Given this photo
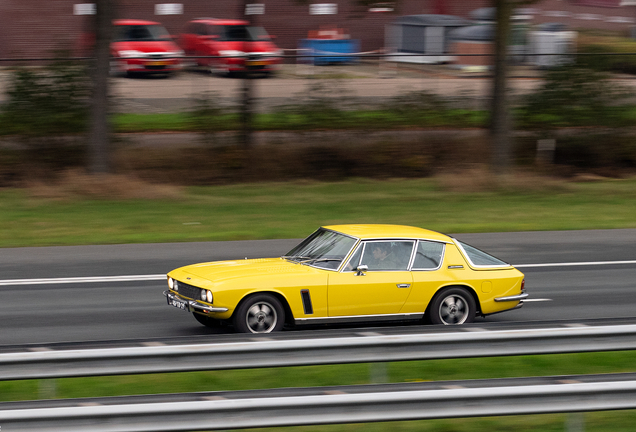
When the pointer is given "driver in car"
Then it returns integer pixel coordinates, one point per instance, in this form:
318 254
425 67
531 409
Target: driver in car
383 258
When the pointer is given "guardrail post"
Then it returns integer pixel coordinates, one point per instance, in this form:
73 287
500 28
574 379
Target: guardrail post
575 422
47 388
378 373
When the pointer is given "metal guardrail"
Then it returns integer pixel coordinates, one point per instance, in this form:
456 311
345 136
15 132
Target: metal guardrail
468 342
217 412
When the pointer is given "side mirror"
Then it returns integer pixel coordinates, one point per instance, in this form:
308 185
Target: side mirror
362 269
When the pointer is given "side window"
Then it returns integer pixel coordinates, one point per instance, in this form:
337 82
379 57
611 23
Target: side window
428 256
387 255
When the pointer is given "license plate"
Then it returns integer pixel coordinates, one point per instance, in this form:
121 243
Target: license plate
178 303
157 63
256 63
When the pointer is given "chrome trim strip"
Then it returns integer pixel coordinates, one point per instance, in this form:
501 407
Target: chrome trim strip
193 304
353 318
405 238
518 297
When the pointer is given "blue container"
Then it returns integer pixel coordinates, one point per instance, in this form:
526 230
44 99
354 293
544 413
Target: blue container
329 48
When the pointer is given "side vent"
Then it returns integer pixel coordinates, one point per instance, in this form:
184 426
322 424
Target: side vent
306 302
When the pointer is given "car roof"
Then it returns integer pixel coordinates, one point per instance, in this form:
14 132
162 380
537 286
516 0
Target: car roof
373 231
220 21
134 22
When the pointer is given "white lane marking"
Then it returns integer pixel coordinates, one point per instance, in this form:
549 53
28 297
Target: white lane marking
94 279
134 278
589 263
536 300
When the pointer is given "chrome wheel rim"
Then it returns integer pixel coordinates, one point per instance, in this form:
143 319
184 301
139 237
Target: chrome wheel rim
453 310
261 317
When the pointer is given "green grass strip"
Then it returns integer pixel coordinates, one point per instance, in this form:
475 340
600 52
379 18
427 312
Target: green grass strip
292 210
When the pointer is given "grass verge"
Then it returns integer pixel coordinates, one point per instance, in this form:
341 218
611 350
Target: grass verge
137 212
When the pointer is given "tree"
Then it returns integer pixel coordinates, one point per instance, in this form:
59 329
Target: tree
499 115
500 119
99 130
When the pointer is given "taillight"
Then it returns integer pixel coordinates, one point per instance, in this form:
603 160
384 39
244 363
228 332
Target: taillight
523 285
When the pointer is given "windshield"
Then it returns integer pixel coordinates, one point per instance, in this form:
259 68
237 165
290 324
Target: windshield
128 33
244 33
324 249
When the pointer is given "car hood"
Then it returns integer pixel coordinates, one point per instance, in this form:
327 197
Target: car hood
219 272
146 46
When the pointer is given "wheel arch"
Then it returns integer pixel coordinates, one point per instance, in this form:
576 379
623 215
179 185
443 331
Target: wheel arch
468 288
289 316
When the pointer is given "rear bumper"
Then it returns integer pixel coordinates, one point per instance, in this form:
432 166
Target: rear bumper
519 297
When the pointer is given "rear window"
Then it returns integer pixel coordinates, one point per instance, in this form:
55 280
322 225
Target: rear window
479 258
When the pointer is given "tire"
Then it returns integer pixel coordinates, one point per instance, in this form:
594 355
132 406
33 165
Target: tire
207 321
260 313
452 306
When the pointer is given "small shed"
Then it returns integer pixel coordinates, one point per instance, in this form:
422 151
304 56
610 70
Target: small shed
551 45
421 38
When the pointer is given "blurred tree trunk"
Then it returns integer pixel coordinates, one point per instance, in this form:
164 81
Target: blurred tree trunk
500 115
99 130
247 93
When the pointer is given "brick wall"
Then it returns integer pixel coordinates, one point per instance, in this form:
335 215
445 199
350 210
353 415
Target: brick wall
36 28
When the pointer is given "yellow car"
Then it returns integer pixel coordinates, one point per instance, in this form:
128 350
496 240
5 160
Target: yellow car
351 273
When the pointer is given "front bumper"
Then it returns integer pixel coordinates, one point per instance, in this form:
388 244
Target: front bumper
190 305
150 65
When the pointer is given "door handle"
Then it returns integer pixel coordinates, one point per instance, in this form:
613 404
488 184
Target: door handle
403 285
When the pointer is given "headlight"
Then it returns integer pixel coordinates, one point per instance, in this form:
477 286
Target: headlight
206 295
231 53
170 283
131 53
176 286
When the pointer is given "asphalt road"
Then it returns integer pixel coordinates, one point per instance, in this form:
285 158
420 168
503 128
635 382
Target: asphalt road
72 311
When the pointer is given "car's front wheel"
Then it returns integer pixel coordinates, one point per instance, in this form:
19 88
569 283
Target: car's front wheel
452 306
260 313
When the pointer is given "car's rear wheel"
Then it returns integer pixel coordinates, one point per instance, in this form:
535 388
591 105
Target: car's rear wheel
207 321
260 313
452 306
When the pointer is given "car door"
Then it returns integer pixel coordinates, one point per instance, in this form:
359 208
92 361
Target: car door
428 275
382 289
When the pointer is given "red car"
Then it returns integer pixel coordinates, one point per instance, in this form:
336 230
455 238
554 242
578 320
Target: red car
143 47
236 42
